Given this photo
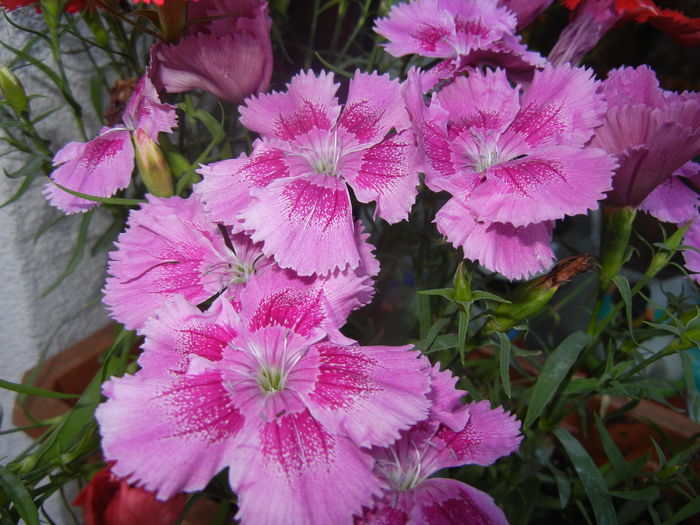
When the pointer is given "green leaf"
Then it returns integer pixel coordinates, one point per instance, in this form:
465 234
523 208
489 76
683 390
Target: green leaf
447 293
504 361
26 183
688 511
580 384
96 95
623 286
424 317
591 478
429 339
648 494
19 495
478 295
553 373
95 198
34 391
75 257
442 342
30 168
617 460
462 334
691 387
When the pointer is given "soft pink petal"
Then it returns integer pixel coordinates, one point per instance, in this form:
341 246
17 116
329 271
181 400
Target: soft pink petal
626 86
584 32
488 435
167 433
145 110
231 66
481 103
169 248
227 184
385 173
293 471
672 200
513 252
477 24
419 27
99 167
369 393
448 501
179 332
562 105
309 103
446 399
305 224
553 182
373 108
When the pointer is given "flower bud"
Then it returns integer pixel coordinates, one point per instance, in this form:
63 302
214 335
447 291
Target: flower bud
153 167
531 297
13 91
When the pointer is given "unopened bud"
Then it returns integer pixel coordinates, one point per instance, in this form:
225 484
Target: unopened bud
153 167
13 91
531 297
463 289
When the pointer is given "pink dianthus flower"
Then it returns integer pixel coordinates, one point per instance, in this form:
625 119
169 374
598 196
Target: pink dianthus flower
171 247
453 435
103 165
266 392
513 160
291 193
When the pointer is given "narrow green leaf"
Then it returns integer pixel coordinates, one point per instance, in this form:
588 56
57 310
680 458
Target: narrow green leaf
447 293
591 478
442 342
26 183
216 130
648 494
424 317
580 384
19 495
504 361
75 257
95 198
30 168
478 295
34 391
691 387
96 95
688 511
617 460
623 286
553 373
429 339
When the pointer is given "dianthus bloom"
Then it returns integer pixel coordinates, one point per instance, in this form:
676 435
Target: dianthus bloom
229 56
453 435
674 200
103 165
291 192
463 32
652 132
513 160
170 247
265 392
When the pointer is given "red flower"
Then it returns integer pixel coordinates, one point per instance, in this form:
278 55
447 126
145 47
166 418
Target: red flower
109 500
683 30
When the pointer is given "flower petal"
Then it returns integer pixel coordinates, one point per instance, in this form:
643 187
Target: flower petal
296 460
373 108
309 103
99 167
562 105
168 433
145 110
227 184
385 173
305 224
448 501
672 200
488 435
513 252
169 248
369 393
553 182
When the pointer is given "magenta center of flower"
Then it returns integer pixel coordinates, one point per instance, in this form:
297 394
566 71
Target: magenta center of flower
324 153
